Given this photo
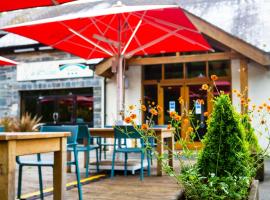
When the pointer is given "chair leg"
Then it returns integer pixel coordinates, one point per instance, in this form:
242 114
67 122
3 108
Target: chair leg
87 164
149 160
78 174
126 158
113 160
105 153
97 160
19 190
40 183
141 171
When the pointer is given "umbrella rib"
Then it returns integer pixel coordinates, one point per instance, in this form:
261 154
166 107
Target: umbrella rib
131 53
104 32
90 41
176 34
131 37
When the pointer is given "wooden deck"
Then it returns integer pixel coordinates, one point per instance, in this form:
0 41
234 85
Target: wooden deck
118 188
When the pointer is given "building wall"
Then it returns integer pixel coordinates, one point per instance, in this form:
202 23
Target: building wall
259 82
132 92
10 87
235 71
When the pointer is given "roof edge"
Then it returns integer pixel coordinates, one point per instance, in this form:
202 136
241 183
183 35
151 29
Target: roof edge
235 43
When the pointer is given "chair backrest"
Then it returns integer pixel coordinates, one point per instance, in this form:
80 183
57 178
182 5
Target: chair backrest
126 132
73 129
2 129
83 132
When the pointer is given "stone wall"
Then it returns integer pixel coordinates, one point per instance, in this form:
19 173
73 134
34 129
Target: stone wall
10 88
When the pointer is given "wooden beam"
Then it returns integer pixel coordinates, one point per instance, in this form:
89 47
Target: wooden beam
231 41
103 68
182 59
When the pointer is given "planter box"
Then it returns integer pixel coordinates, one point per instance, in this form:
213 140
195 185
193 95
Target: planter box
253 194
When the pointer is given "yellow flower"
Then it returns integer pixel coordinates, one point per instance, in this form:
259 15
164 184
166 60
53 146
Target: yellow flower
205 114
264 104
153 103
177 117
172 114
190 129
214 77
153 111
186 121
235 91
143 108
133 116
205 87
128 120
169 127
181 100
239 94
159 108
131 107
145 126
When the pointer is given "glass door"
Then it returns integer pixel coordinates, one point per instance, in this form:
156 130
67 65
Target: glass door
198 103
65 109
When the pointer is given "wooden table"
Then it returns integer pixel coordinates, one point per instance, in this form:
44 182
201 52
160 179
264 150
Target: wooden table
18 144
161 134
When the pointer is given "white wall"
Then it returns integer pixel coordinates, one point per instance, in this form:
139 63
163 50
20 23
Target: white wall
132 92
235 70
259 92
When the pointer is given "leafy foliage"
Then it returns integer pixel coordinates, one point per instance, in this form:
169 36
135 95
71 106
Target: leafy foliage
226 151
198 187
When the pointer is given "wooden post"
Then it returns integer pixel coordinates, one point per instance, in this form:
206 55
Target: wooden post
161 103
244 83
7 169
59 171
171 150
160 150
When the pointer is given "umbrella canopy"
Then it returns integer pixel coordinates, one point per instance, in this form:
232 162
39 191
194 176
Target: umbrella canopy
8 5
5 61
119 31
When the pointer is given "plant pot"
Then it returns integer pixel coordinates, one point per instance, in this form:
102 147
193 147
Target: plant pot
253 193
260 171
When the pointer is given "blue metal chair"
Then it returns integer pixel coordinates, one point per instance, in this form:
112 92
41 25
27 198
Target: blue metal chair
129 132
71 146
85 134
2 129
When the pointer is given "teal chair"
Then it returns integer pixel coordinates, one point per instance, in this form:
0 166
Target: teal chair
2 129
125 133
71 146
85 134
103 145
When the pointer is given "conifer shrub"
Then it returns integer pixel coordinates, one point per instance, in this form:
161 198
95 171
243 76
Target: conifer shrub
226 150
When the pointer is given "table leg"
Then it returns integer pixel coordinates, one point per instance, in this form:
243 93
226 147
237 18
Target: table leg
171 150
7 169
59 171
69 159
160 150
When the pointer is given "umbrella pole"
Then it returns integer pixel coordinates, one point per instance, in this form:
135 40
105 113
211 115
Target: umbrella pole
120 89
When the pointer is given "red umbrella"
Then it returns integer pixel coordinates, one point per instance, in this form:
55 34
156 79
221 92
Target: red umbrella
5 61
119 31
8 5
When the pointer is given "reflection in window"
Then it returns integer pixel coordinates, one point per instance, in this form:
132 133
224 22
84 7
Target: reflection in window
84 109
173 71
152 72
196 70
224 86
219 68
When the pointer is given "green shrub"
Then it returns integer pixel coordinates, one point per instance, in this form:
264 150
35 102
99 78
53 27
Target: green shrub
198 187
225 149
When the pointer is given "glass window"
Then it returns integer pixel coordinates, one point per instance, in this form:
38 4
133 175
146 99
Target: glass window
152 72
219 68
150 96
174 71
224 86
196 70
171 103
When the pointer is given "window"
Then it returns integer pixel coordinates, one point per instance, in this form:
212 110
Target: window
150 96
174 71
196 70
219 68
152 72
